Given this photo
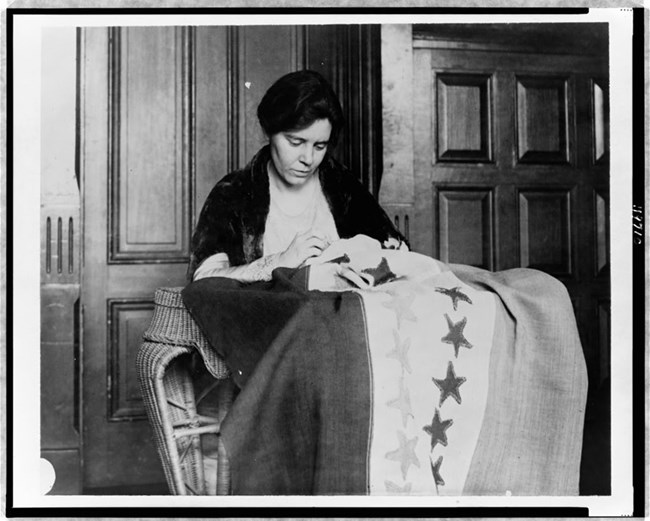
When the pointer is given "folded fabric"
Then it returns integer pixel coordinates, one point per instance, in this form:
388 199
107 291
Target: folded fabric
361 262
240 320
435 379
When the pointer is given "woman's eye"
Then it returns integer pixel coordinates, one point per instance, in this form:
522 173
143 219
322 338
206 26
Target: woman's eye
320 147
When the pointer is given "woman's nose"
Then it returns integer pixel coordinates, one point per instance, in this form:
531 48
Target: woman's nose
307 155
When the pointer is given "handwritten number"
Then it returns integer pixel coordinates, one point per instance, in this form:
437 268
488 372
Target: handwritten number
637 224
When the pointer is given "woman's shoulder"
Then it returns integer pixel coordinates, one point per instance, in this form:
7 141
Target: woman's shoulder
241 183
233 181
228 191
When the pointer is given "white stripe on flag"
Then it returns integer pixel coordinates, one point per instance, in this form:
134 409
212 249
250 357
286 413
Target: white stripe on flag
407 322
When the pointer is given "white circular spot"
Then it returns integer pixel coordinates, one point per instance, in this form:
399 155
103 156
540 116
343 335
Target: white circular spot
508 493
48 476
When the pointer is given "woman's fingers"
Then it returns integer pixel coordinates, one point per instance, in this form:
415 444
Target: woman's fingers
318 243
312 240
305 246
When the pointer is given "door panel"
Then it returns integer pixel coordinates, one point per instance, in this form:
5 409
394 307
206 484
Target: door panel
263 55
472 210
145 176
137 185
128 319
542 120
545 238
464 115
150 130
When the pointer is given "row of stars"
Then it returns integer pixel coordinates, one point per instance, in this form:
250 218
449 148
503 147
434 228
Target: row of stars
448 386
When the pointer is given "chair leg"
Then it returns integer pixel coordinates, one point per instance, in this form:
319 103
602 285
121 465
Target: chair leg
225 398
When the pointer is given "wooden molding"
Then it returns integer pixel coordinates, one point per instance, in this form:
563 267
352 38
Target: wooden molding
464 137
540 99
173 248
547 229
122 345
232 44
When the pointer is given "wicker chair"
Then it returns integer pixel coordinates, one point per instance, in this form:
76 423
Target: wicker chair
166 367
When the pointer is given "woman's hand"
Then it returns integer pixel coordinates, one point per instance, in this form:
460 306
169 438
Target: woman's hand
303 246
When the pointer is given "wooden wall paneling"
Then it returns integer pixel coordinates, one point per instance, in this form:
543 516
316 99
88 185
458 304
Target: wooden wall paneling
322 51
60 240
504 127
464 117
546 230
578 38
121 453
150 172
424 219
373 152
601 232
398 92
465 225
506 235
604 335
128 319
263 54
549 179
600 120
60 272
584 128
211 111
466 57
349 57
234 130
326 50
542 119
59 367
341 82
507 248
363 101
93 161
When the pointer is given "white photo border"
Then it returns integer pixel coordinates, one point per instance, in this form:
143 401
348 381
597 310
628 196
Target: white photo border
26 257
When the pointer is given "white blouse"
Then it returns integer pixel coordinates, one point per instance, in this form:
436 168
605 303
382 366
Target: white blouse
282 227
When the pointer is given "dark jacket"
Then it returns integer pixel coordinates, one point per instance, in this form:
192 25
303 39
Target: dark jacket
234 214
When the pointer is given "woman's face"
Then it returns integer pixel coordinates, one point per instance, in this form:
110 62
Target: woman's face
297 154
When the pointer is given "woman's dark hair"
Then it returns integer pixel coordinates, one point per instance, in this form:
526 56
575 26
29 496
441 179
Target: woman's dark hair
298 99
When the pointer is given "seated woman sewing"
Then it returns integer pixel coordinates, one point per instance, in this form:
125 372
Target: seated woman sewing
293 199
412 376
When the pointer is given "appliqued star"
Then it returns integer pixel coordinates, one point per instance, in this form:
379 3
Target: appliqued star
449 386
401 305
435 470
382 273
396 489
455 335
402 402
343 259
437 429
455 294
405 454
400 352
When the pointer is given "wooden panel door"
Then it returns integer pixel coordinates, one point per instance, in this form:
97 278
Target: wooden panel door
511 170
144 177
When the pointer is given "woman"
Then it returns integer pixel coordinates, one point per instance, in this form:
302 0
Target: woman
293 199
